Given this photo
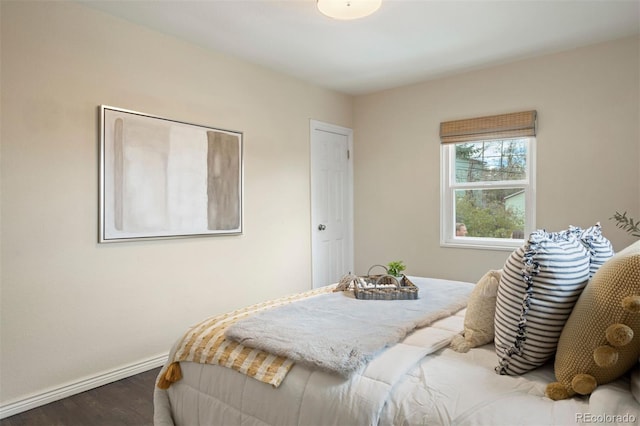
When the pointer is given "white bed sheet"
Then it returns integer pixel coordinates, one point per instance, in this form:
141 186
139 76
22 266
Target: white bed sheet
453 388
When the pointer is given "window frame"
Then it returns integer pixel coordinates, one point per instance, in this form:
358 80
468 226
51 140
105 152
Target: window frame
448 186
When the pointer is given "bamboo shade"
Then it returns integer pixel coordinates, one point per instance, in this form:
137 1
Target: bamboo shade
517 124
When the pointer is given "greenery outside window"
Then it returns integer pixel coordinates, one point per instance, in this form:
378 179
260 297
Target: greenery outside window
489 186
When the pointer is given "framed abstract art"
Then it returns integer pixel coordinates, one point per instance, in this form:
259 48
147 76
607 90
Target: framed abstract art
162 178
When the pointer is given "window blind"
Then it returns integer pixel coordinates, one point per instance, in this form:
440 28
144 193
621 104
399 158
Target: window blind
513 125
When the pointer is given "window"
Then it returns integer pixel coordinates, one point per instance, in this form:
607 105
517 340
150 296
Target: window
487 187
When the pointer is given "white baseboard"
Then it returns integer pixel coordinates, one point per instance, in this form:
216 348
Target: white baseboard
73 388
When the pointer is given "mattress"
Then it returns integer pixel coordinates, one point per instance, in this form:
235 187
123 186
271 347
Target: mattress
419 381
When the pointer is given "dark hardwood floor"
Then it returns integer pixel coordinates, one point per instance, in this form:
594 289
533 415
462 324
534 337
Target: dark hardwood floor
127 402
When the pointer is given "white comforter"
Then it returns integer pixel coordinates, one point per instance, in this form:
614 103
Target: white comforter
414 382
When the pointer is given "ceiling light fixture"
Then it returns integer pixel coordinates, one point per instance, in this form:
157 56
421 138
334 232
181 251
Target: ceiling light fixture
348 9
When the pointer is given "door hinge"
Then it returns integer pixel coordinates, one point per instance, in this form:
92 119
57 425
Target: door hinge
348 154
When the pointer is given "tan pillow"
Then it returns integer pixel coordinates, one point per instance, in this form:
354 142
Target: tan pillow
479 326
601 339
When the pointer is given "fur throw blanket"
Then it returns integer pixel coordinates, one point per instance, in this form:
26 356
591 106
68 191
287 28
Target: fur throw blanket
338 333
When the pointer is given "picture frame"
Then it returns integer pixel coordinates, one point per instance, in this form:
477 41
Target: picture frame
163 178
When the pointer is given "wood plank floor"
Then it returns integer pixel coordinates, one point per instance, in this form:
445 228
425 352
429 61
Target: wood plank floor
127 402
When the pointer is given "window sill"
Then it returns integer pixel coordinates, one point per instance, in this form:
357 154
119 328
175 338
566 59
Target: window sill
482 244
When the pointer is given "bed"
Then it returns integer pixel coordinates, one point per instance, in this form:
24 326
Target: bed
418 380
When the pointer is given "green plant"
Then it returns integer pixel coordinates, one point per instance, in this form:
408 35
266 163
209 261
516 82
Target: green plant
396 268
627 223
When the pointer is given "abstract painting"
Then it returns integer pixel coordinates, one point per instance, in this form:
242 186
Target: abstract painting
162 178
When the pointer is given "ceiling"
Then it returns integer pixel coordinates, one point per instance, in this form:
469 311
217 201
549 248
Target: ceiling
405 42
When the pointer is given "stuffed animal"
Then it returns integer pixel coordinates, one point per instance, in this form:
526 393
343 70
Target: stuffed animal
479 326
601 339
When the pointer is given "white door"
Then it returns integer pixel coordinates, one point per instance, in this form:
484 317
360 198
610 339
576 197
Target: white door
331 202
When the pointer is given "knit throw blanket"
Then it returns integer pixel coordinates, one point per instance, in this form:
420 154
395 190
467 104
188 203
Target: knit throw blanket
340 334
205 343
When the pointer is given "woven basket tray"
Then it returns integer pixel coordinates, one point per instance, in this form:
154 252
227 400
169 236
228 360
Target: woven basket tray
379 287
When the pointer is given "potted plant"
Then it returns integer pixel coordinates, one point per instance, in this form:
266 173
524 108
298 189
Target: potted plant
395 268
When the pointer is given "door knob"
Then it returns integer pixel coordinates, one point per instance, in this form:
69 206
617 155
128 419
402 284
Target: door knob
321 227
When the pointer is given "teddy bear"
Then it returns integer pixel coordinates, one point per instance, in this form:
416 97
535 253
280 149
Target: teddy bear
479 327
601 339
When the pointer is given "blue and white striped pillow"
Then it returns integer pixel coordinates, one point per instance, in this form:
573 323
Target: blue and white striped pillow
598 246
540 283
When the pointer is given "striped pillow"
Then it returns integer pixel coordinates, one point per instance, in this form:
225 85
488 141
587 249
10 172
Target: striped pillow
540 283
599 248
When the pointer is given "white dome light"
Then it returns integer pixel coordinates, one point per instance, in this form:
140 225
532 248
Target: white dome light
348 9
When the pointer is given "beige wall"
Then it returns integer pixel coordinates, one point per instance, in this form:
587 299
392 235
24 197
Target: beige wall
588 147
73 308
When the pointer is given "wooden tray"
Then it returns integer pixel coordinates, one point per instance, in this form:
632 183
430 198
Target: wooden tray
379 287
